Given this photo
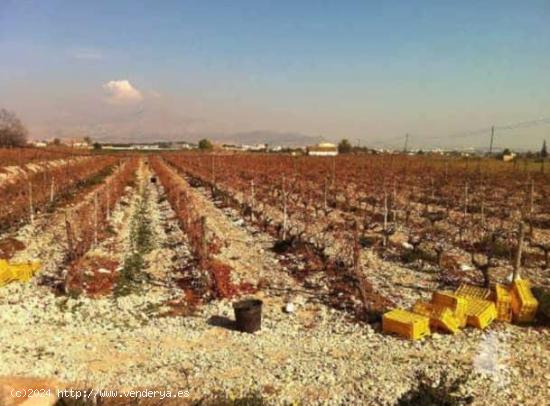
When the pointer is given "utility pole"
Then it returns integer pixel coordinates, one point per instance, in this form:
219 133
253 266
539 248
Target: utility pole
406 143
492 137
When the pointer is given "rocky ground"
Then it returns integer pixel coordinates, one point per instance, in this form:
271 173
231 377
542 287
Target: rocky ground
313 355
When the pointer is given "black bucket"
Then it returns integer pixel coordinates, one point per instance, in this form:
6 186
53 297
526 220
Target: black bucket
248 314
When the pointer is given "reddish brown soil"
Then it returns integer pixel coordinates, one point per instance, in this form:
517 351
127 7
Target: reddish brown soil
9 246
97 283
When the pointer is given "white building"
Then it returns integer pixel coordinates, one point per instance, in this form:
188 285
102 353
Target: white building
256 147
39 144
323 149
508 157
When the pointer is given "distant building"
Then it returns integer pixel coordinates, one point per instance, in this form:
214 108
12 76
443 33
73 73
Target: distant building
255 147
508 157
232 147
76 143
39 144
131 146
323 149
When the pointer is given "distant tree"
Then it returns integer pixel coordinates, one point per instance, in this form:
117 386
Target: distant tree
506 152
543 151
56 141
97 146
88 140
344 147
12 131
205 144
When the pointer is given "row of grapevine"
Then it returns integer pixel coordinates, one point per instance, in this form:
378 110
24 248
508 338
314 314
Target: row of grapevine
86 224
204 243
22 156
39 191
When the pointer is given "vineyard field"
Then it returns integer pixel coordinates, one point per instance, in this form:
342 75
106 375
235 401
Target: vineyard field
142 256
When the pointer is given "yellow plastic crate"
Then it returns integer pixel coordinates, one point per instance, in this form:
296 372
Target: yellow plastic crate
441 317
406 324
473 291
24 272
5 276
422 308
21 272
503 301
480 313
456 303
524 304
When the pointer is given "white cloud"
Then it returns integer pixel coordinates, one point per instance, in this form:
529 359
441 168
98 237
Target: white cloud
122 92
87 54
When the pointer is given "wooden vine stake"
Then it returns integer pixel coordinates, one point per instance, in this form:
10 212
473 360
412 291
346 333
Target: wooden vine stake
482 209
531 206
70 240
357 266
465 200
325 195
52 190
95 218
108 201
252 199
519 251
385 218
213 173
333 171
394 204
31 207
284 210
204 240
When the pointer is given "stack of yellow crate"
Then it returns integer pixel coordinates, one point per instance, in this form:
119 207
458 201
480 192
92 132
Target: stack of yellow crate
480 312
468 305
524 304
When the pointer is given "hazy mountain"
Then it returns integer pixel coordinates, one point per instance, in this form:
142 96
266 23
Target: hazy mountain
104 135
268 137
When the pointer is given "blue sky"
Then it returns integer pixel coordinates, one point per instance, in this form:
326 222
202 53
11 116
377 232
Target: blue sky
358 69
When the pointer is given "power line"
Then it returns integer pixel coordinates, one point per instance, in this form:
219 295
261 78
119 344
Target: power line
470 133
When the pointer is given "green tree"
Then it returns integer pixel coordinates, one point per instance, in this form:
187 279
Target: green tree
205 144
344 147
543 151
97 145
